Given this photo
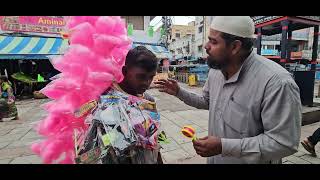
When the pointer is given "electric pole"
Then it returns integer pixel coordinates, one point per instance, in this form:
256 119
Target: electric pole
166 20
204 34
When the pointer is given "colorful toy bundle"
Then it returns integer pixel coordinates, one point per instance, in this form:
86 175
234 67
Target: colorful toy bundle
98 47
123 130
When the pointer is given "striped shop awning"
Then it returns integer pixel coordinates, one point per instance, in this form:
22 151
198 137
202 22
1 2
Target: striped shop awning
12 47
160 51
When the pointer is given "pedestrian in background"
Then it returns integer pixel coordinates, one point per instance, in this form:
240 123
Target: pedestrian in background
8 108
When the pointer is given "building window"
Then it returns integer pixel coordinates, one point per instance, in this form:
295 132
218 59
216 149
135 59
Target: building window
200 29
268 47
177 35
305 46
200 49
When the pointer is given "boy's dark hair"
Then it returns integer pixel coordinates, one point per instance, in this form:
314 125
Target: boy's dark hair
247 43
4 78
141 57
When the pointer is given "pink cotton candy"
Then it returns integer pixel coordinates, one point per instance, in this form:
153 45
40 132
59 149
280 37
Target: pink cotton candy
105 25
53 151
77 72
64 83
56 61
48 125
60 106
79 54
97 78
48 105
82 34
98 47
73 21
92 19
119 55
103 44
54 92
36 147
120 28
118 75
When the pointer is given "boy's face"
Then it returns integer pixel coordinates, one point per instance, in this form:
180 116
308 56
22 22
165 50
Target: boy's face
137 79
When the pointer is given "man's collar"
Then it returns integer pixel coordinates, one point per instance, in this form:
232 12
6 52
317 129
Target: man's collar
245 65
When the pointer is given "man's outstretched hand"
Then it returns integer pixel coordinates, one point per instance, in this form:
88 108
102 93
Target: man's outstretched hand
169 86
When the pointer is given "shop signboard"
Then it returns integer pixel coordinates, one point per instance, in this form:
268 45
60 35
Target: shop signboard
32 24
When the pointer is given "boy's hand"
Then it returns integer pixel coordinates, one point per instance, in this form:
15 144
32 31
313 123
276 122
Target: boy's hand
169 86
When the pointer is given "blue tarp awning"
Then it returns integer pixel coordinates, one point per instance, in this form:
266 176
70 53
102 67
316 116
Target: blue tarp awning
12 47
160 51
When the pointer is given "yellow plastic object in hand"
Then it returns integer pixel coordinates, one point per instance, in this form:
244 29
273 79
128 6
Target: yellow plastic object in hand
189 132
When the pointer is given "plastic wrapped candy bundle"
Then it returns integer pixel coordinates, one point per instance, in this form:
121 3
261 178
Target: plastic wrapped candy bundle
122 130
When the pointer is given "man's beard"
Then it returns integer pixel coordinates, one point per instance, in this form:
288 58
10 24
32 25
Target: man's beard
212 63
